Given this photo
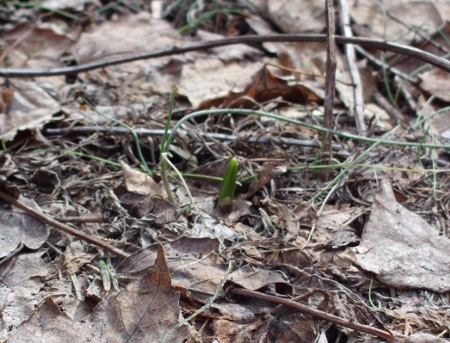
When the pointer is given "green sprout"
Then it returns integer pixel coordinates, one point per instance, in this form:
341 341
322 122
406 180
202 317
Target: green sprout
106 278
228 187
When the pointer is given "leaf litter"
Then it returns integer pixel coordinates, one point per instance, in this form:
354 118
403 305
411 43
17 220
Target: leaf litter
282 263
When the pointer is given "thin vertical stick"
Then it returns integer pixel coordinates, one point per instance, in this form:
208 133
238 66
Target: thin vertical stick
353 69
330 78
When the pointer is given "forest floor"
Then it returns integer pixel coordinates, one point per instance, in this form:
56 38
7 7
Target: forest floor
121 219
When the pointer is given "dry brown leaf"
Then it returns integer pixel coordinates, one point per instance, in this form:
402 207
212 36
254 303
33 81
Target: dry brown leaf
370 21
225 53
37 47
297 16
232 332
144 311
294 328
140 183
29 107
401 248
74 260
124 36
55 322
22 267
17 227
155 208
233 212
267 86
254 278
436 82
190 260
208 80
417 338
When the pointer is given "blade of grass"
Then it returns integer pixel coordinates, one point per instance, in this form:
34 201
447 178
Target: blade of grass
435 183
188 192
117 165
420 149
165 148
370 294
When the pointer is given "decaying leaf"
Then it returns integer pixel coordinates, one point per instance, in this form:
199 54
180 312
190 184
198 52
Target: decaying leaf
417 338
255 278
74 260
56 324
401 248
189 259
140 183
154 207
30 107
17 227
22 267
146 310
261 241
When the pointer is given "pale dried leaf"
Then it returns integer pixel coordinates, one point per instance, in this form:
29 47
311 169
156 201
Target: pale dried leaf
124 36
74 260
209 79
29 107
417 338
48 324
254 278
22 267
401 248
297 16
18 227
38 48
77 5
370 21
140 183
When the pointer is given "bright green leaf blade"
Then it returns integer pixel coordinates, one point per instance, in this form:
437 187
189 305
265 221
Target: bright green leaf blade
228 187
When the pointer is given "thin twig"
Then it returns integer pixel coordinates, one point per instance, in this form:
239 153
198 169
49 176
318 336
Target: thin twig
353 69
62 227
330 80
90 219
175 50
376 61
212 135
296 122
314 312
394 113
